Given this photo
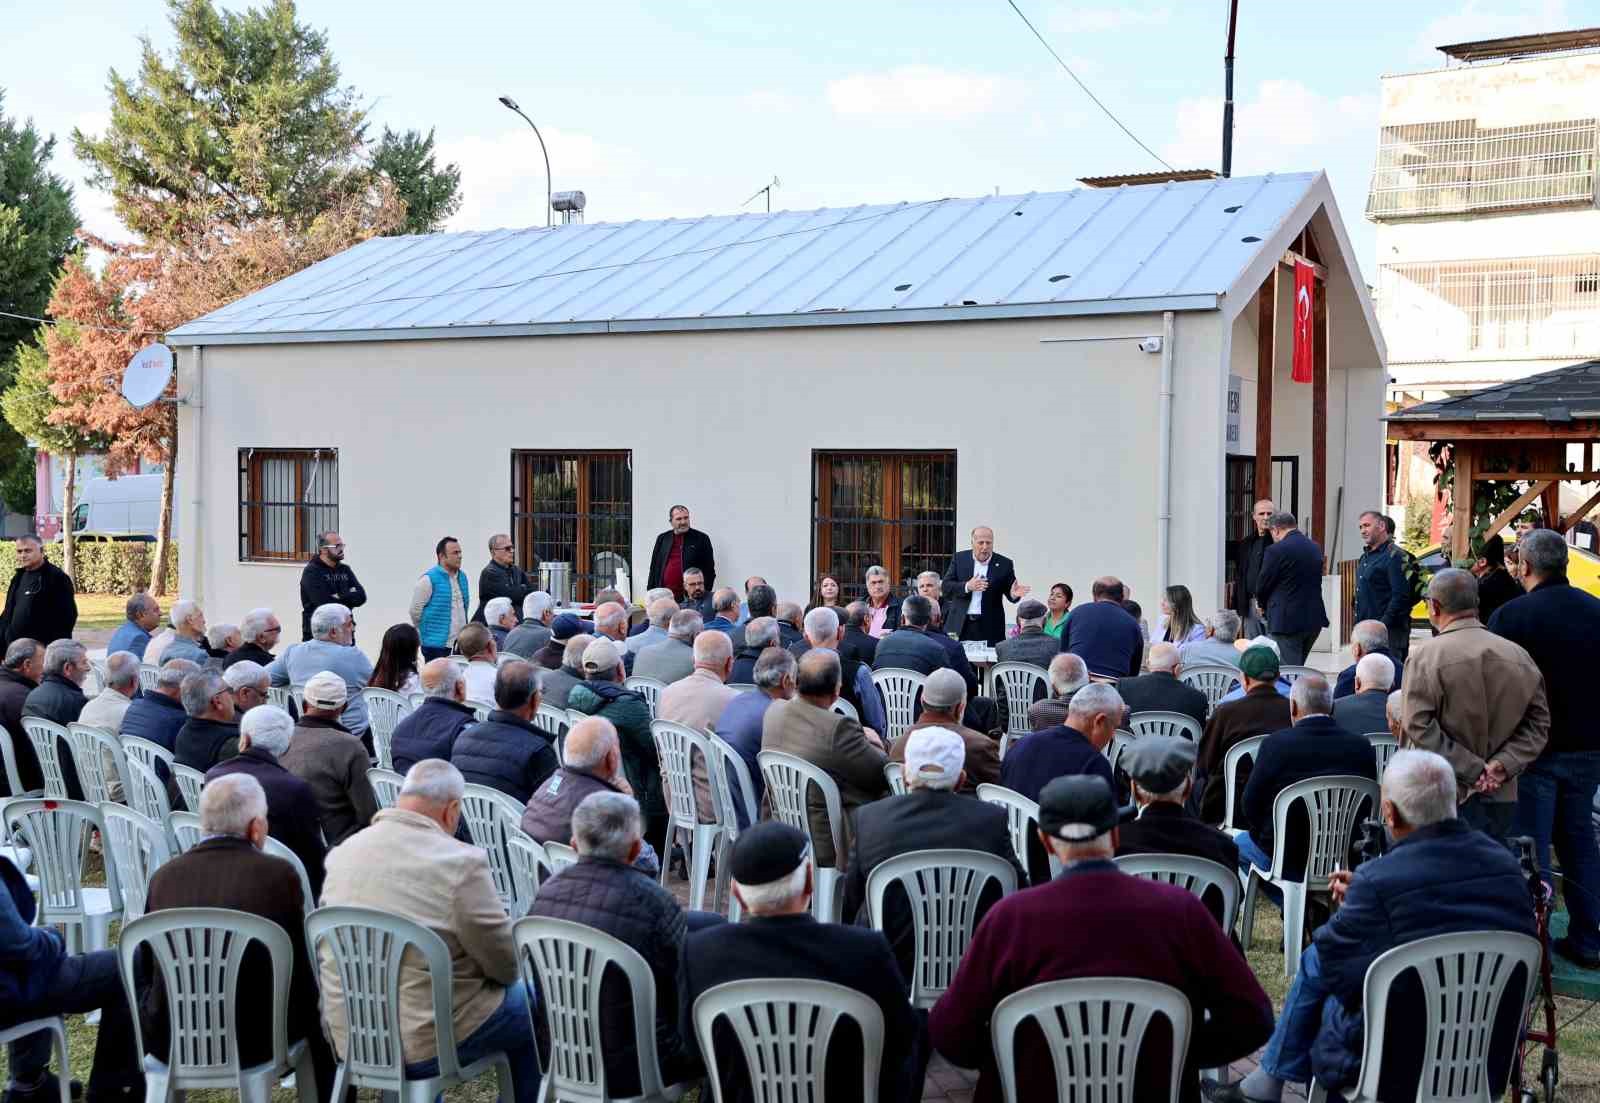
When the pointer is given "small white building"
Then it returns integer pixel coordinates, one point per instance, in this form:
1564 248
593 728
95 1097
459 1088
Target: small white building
824 389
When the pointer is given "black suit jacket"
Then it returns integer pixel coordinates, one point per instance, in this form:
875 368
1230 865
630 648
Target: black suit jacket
1290 587
1159 691
858 645
1248 555
1002 576
697 552
1165 828
293 815
779 947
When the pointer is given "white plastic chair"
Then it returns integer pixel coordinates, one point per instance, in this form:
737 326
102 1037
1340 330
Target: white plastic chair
57 831
676 746
297 697
1464 979
91 748
725 761
1332 804
894 773
1022 820
1101 1022
788 778
8 755
1248 747
530 867
280 696
554 723
943 888
279 849
845 708
568 961
145 752
148 673
416 699
1293 673
385 785
385 709
1159 722
649 688
138 846
560 856
487 812
742 687
366 947
1216 681
57 1026
480 710
43 734
784 1027
147 794
575 717
186 830
198 954
190 782
899 688
1384 746
1198 875
1017 683
94 679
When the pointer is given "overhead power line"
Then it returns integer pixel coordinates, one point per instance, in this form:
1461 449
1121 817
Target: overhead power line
80 325
1076 80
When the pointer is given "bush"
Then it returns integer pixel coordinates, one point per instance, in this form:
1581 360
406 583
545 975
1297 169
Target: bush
114 567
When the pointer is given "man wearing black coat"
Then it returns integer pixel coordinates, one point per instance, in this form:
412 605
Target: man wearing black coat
507 752
1290 590
41 603
977 584
432 728
24 666
1160 690
59 698
857 644
1495 584
1247 568
1161 768
679 549
1030 644
1383 593
327 580
501 577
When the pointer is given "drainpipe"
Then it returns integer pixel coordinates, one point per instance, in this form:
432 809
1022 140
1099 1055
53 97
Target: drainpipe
1164 459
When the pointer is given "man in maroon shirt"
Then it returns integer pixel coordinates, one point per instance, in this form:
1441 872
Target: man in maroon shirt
679 549
1095 921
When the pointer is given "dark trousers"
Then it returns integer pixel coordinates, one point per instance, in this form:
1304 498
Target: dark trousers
1493 818
431 653
84 983
655 833
1555 802
1293 647
972 629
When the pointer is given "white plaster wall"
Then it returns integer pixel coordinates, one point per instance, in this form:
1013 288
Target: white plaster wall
1511 93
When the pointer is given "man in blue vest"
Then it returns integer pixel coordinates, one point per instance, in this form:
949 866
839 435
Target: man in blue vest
439 602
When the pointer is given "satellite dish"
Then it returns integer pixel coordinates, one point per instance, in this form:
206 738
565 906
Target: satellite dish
147 375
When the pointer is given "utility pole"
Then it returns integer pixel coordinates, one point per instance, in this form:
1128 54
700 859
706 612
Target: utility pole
766 191
1227 94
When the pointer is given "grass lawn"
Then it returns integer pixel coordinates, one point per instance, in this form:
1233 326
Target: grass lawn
101 610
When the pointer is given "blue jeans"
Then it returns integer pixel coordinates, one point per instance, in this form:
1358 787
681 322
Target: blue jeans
1251 854
1288 1052
509 1029
1555 800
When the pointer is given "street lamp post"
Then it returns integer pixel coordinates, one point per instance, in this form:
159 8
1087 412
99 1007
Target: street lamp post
511 104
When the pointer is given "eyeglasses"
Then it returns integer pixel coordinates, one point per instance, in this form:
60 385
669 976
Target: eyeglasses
506 547
334 547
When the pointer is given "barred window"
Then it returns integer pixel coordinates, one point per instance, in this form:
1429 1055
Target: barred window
286 497
572 519
893 509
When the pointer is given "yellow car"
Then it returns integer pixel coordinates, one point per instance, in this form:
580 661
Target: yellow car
1583 571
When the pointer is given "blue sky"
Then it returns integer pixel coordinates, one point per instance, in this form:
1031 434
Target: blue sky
683 108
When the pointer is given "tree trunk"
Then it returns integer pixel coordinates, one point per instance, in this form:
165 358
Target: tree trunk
69 503
158 571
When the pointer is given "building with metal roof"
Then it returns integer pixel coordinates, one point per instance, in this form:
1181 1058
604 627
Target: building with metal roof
827 390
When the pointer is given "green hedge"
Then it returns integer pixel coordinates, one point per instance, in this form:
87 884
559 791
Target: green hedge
114 567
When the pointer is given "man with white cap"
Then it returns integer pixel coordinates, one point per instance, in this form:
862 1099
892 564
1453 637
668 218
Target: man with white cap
602 693
928 816
1120 926
331 760
293 814
944 702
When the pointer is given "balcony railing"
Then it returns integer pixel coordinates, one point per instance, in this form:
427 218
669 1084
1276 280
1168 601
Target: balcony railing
1456 167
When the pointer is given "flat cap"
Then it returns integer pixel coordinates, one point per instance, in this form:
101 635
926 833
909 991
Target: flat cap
1077 808
1159 763
767 852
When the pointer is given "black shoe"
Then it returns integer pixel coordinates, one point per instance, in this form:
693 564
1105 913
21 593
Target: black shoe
1566 949
48 1091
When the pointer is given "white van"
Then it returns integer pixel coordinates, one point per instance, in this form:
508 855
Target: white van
128 508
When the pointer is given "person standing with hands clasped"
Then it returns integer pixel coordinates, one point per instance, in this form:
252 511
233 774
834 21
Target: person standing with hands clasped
327 580
977 584
679 550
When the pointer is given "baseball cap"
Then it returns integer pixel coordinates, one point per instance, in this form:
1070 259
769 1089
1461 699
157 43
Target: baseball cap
1260 663
935 754
326 690
600 657
767 852
1159 763
1077 808
565 626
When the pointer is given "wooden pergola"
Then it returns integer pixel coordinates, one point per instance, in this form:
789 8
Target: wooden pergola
1514 432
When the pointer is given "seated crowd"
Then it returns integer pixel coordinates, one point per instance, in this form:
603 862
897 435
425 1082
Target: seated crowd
759 674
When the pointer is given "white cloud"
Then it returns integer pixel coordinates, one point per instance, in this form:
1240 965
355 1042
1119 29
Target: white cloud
1285 126
1475 20
1078 19
922 91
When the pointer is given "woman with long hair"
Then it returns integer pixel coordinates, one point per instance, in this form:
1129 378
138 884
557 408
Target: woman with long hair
1178 622
396 668
1057 606
829 594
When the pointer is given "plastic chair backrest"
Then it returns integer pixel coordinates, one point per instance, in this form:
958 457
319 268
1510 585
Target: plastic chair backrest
186 831
895 775
551 720
385 708
1249 747
784 1027
943 888
845 708
568 961
145 752
87 745
727 760
788 777
13 775
190 782
280 696
94 680
148 673
1159 722
1094 1028
146 794
43 734
487 811
385 785
1293 673
1022 815
650 688
1383 747
297 696
676 746
899 688
365 947
138 846
279 849
529 867
1332 804
416 699
1189 872
560 856
480 711
57 831
198 954
1019 682
1121 742
1214 680
1464 978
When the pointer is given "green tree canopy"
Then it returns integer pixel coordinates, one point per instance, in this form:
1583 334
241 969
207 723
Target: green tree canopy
431 194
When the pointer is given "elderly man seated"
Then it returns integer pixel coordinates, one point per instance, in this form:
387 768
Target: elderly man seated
249 682
826 632
944 702
133 634
409 863
1216 649
259 630
1366 710
1368 637
671 658
772 878
475 642
558 681
1161 691
1161 770
740 723
187 639
331 760
501 617
529 637
1076 747
106 709
603 694
212 731
760 634
1121 926
1439 876
658 613
1067 676
1261 711
1030 644
592 764
331 647
508 751
158 715
430 731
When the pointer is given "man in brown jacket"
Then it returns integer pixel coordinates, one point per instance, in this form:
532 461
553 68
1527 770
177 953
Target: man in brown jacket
1477 699
808 728
331 760
409 863
1261 711
944 698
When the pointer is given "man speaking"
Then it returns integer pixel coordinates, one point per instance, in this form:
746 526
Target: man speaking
974 585
679 549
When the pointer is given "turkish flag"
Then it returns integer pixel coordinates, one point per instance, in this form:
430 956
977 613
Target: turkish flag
1305 288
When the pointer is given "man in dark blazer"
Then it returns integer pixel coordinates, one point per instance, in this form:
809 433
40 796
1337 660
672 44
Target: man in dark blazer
1162 770
857 644
680 549
1160 690
977 584
772 878
1247 568
912 646
501 577
228 870
1290 590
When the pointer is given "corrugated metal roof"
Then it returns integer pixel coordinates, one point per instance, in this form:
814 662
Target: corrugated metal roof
1168 246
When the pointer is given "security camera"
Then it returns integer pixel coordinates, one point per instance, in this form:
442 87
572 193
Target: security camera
1150 344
